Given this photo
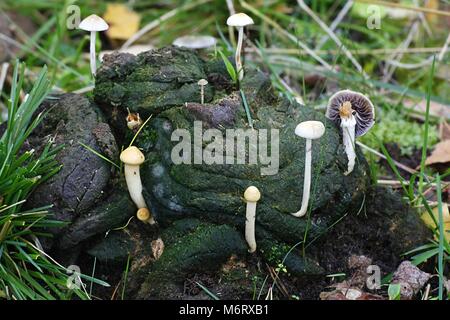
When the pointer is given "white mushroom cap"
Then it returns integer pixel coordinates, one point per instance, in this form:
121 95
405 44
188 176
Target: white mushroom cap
93 23
132 156
310 129
239 20
202 82
195 42
252 194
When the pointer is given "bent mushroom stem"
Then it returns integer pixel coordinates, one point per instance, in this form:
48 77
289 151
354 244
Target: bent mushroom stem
239 68
348 139
306 181
309 130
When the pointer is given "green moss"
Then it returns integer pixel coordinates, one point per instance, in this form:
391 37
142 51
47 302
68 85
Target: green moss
408 135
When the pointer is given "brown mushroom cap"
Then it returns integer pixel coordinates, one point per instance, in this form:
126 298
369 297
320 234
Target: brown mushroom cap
132 156
361 107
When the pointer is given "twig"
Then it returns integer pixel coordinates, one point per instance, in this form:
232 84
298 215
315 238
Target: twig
424 63
296 95
287 35
3 72
398 164
427 292
276 279
157 22
345 9
333 36
232 11
406 7
358 51
390 69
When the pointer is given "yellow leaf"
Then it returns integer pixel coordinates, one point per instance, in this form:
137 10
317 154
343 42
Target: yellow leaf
446 217
123 22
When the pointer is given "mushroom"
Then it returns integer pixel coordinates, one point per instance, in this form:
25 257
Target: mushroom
195 42
239 20
145 216
134 121
132 157
309 130
251 196
202 83
93 23
355 113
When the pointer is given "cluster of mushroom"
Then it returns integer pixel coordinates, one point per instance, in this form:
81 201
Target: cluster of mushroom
352 111
355 114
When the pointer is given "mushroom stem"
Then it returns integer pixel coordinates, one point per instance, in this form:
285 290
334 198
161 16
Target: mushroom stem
133 179
348 126
202 94
92 53
250 215
306 181
239 68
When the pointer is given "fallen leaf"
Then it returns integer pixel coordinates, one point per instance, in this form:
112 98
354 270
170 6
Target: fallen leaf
444 131
436 109
410 278
432 4
446 217
123 22
157 248
440 154
343 292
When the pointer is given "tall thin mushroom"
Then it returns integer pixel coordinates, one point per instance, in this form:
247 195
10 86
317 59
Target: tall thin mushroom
355 114
239 20
93 24
309 130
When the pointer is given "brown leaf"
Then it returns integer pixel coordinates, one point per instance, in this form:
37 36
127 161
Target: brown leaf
436 109
157 248
444 131
441 153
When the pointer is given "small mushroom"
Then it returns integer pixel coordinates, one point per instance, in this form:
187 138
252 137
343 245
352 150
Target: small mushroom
134 121
132 157
202 83
239 20
145 216
310 130
195 42
93 24
355 114
251 196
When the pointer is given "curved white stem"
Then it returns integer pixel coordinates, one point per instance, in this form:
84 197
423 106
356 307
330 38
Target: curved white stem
92 53
133 179
306 181
250 215
239 68
348 134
